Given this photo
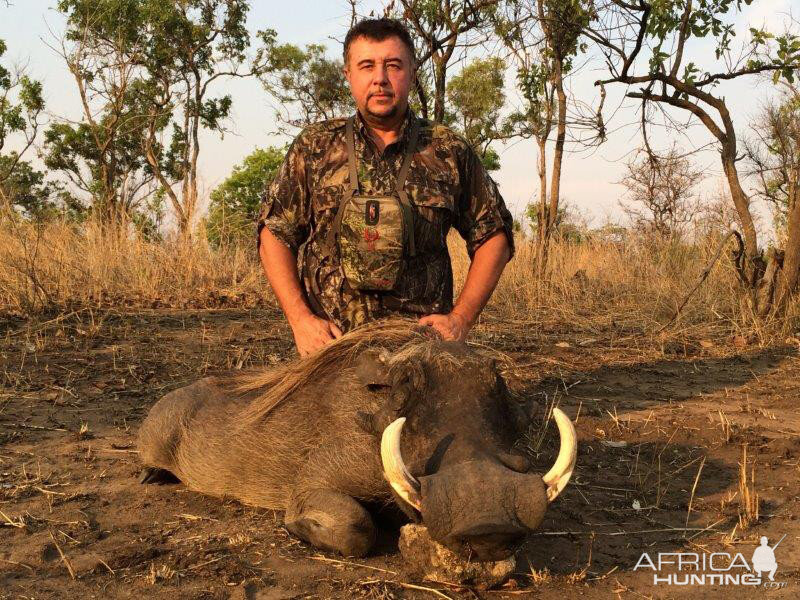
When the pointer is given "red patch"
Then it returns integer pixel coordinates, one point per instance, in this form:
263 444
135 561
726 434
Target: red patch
370 236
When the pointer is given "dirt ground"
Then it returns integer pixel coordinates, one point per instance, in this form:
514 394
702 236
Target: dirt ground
662 428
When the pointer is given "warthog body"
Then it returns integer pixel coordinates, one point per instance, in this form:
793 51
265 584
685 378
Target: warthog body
307 438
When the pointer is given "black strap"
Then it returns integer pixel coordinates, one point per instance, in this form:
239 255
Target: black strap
399 185
351 153
330 240
412 145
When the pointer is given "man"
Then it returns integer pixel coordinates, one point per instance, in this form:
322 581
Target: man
420 178
764 558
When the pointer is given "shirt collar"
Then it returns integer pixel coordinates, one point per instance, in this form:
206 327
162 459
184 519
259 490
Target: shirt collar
405 129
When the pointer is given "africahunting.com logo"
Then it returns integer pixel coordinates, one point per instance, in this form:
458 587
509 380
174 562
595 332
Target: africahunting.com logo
715 568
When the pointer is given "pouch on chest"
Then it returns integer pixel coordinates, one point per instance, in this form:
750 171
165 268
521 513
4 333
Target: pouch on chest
372 242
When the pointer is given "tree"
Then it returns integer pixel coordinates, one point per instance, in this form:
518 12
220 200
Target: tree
308 86
236 201
543 37
570 224
775 161
438 27
21 105
189 46
476 97
644 44
660 193
25 189
101 155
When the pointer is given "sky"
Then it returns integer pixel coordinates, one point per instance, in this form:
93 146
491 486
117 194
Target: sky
590 180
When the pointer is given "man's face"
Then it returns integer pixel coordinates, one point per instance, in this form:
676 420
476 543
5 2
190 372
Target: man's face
380 76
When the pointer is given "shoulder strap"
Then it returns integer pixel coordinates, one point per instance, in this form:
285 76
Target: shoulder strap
349 135
351 153
412 146
399 186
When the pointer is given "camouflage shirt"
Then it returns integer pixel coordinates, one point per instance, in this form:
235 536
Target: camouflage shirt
446 183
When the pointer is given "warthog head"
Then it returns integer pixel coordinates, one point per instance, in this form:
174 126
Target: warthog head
448 425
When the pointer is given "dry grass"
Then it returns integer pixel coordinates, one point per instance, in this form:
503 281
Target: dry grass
59 266
635 286
596 286
749 502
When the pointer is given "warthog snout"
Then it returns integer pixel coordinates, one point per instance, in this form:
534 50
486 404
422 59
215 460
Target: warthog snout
480 507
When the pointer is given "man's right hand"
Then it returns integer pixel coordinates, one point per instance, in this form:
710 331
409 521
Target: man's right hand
280 264
311 333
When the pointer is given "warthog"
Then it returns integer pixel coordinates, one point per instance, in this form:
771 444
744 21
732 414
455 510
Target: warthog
321 438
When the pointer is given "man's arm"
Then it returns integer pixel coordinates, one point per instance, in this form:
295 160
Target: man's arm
484 272
280 264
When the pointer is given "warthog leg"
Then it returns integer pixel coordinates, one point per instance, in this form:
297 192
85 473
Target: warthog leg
332 521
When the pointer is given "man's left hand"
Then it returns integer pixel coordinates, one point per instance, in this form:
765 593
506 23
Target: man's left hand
452 326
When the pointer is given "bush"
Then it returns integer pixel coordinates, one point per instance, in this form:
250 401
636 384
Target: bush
236 201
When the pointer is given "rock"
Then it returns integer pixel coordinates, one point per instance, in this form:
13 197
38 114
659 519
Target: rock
427 559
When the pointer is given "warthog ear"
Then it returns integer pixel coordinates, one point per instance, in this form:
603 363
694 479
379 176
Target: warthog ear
404 380
372 368
408 383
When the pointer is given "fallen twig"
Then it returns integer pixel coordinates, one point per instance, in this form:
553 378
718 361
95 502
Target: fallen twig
10 522
410 586
37 427
19 564
64 558
352 564
694 487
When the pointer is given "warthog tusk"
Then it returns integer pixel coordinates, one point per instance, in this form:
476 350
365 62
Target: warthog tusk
558 476
394 469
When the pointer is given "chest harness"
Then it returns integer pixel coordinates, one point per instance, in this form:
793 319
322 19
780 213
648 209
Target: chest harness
374 233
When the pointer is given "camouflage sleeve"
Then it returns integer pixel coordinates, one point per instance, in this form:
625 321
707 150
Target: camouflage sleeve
482 211
285 206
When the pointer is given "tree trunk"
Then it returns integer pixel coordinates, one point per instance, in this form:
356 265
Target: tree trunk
558 152
787 283
542 168
754 264
440 74
423 97
541 229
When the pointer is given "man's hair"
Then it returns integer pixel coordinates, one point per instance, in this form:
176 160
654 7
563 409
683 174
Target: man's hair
379 30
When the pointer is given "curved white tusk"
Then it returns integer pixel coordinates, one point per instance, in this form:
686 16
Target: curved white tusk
558 476
394 469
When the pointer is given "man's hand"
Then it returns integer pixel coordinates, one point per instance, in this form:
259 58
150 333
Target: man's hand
452 326
311 333
484 272
280 264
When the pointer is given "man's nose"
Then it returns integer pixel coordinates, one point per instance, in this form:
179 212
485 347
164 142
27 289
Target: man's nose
380 75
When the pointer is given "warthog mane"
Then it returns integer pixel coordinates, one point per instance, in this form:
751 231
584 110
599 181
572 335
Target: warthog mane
400 339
